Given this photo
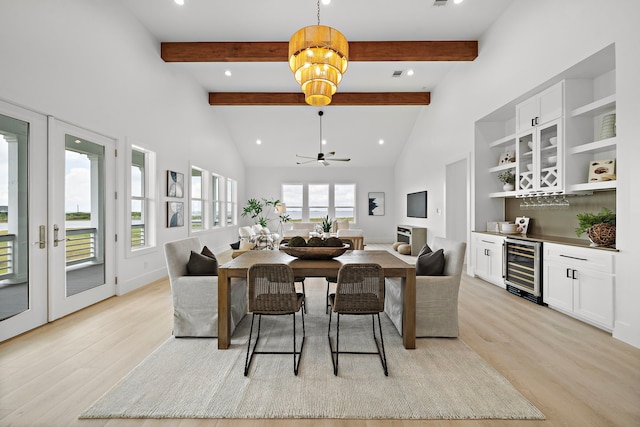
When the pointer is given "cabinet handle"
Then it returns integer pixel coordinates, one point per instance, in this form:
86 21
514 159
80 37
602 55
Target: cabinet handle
573 274
486 241
537 120
532 122
573 257
568 273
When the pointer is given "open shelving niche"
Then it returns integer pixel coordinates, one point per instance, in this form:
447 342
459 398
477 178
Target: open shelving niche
587 101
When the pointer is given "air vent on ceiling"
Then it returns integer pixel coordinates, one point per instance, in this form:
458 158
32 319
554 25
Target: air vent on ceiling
440 2
397 73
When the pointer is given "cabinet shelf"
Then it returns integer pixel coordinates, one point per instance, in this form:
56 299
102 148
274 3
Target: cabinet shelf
503 194
509 139
595 147
597 107
502 167
594 186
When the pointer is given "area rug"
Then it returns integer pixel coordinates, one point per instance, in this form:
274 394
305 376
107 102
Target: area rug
191 378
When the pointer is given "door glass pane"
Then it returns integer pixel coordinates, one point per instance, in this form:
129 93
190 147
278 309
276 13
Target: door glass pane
14 247
84 213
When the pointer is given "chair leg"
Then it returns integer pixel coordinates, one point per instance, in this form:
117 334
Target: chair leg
247 362
334 354
383 355
296 366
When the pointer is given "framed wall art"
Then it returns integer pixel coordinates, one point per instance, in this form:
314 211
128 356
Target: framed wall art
376 204
175 184
175 214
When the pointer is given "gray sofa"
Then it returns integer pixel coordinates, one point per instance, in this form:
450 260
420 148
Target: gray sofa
195 298
436 296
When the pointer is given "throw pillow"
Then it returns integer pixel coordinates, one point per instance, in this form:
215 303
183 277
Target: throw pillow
246 245
425 250
202 265
207 252
342 224
430 264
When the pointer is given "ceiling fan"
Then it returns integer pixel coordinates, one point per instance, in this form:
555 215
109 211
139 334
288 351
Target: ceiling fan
323 158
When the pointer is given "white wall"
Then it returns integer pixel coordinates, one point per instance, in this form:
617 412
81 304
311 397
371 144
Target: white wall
531 43
93 64
266 182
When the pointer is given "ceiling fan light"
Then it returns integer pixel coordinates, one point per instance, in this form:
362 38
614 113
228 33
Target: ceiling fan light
318 54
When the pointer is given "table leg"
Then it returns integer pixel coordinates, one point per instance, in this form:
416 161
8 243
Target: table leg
224 309
409 311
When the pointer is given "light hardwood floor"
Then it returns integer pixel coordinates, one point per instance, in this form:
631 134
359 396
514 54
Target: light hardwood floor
575 374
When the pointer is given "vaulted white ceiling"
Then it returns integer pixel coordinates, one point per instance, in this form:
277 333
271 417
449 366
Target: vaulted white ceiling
351 131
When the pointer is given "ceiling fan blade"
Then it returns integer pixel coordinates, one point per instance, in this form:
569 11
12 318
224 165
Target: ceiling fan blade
308 161
330 153
305 157
340 160
324 162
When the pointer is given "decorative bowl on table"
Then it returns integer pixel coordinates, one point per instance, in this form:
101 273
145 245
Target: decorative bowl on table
314 252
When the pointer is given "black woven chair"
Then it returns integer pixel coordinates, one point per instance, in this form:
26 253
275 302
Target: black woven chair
272 292
331 280
359 291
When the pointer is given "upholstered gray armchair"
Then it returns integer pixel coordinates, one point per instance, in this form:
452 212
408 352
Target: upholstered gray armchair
195 298
436 296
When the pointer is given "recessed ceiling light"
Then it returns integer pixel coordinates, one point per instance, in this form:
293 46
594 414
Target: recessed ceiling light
381 141
324 142
227 73
458 1
179 2
258 142
409 72
326 2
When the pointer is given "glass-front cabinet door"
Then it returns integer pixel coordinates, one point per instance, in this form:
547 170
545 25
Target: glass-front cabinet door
540 159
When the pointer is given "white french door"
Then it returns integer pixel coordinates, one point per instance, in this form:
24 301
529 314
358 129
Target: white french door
81 218
23 220
57 219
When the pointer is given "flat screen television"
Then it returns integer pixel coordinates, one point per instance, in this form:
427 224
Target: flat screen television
417 204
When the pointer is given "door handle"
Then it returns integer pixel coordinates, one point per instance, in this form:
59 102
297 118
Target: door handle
42 242
56 231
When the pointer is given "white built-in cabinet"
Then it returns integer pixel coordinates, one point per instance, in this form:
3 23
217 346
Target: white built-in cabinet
540 108
571 111
580 282
488 257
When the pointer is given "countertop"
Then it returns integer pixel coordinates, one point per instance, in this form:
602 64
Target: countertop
552 239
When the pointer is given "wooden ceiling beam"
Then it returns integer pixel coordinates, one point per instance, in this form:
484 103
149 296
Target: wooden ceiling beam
376 51
340 98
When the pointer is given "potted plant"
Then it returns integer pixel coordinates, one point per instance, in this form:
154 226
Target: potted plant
508 178
600 227
326 225
260 211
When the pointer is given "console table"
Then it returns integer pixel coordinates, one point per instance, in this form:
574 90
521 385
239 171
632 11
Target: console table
414 236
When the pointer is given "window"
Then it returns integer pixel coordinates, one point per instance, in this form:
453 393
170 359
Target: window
142 204
216 201
318 202
196 199
292 197
231 200
312 202
345 201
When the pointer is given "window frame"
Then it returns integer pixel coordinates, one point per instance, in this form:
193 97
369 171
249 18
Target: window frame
148 200
331 209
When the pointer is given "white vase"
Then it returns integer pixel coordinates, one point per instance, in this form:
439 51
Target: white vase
508 187
325 234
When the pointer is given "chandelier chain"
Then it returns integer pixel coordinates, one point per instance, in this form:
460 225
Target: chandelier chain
318 12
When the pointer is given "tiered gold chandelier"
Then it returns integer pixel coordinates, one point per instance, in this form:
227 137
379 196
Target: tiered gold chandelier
318 57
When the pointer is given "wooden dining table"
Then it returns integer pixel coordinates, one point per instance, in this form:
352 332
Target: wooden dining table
391 265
